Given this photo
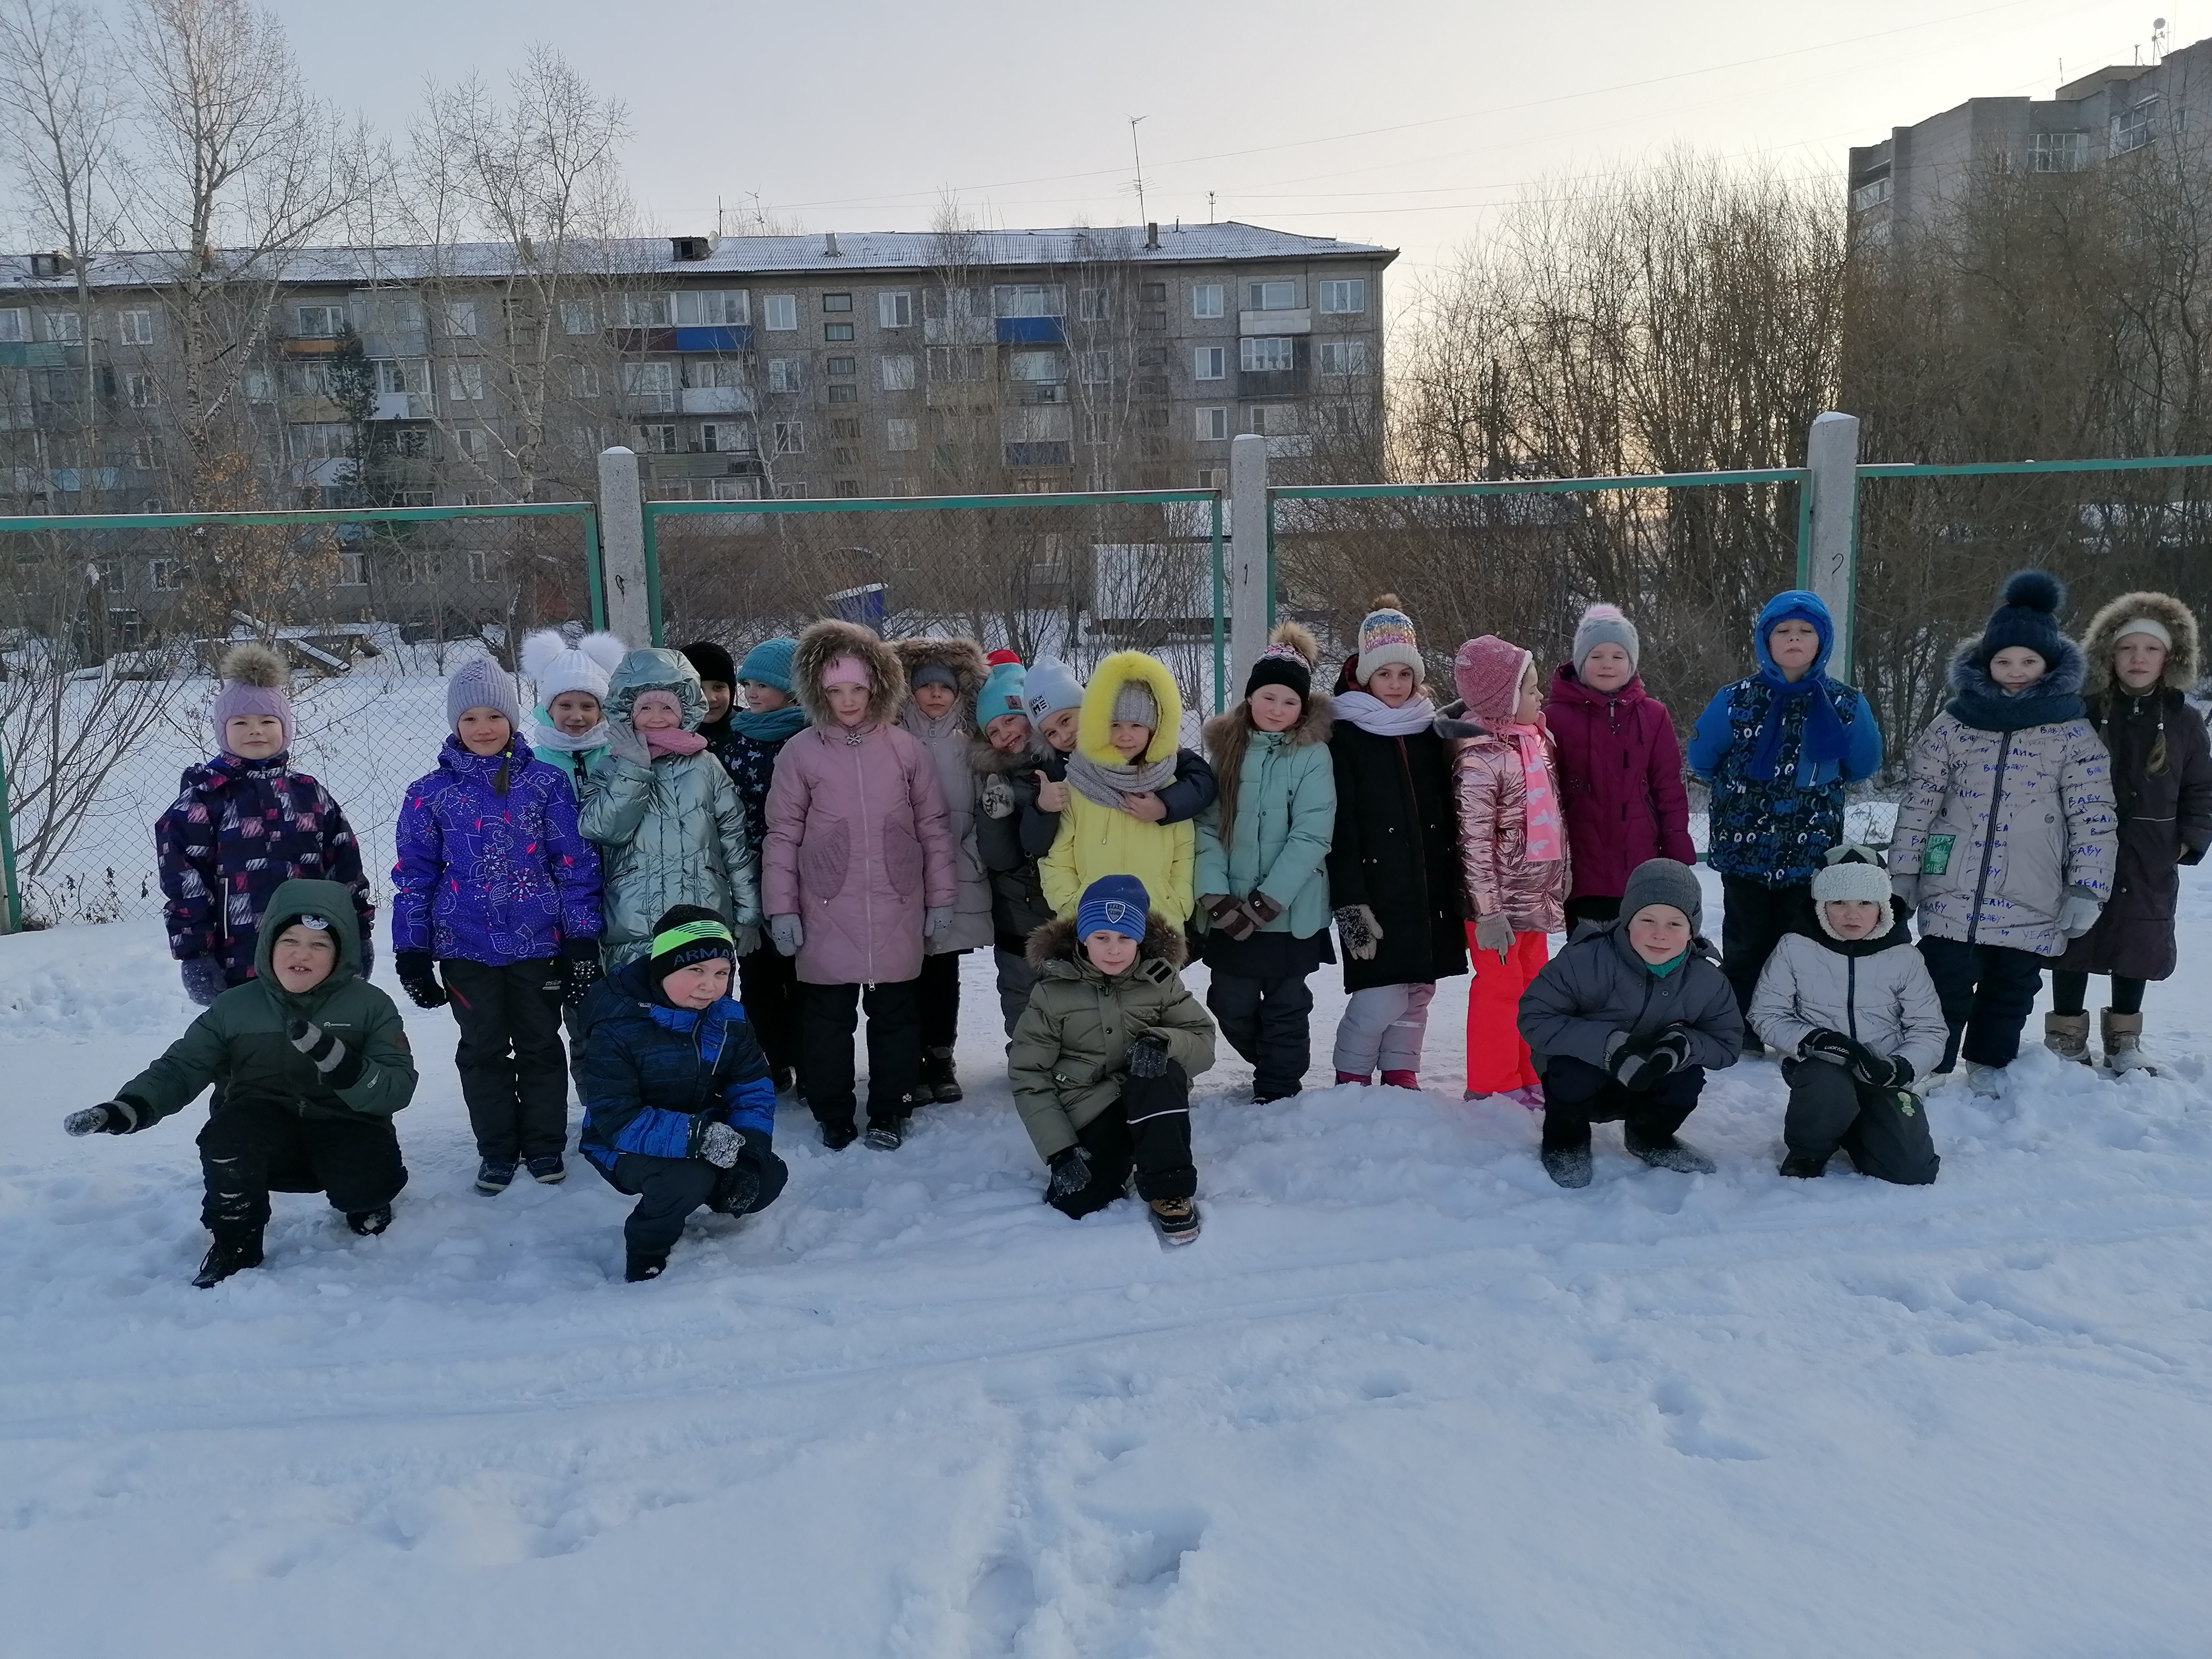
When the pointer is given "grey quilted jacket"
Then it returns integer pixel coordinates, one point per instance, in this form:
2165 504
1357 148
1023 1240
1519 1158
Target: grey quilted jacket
1599 986
1877 990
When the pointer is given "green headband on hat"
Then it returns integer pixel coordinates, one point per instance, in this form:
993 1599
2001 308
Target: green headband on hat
691 933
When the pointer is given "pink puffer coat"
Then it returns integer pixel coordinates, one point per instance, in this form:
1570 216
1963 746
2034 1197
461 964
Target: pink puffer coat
858 842
1494 838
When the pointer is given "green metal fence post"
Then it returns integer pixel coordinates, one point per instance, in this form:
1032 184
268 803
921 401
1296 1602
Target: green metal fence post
12 921
599 599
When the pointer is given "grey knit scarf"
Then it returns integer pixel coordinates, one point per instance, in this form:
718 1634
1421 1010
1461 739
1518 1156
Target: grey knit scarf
1106 785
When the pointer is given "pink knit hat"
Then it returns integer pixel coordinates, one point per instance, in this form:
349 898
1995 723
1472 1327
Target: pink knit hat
253 683
659 697
1488 672
847 670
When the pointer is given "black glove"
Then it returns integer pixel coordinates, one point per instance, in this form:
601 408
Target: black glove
339 1065
418 977
737 1186
1894 1072
367 956
1643 1063
1070 1173
1148 1056
2194 855
1827 1045
580 965
114 1117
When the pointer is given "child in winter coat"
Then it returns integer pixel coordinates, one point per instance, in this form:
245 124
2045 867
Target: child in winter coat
2142 656
1124 759
1014 762
311 1061
1103 1059
1776 750
1854 1015
679 1108
244 823
1620 768
859 872
568 729
1262 856
1625 1022
945 677
1393 874
494 883
1513 856
669 826
2004 841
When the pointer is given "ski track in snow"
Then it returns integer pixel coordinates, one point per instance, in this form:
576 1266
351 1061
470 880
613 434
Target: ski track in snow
1405 1397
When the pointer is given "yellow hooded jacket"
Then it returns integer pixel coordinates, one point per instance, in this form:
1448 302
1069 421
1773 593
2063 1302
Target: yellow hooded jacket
1096 841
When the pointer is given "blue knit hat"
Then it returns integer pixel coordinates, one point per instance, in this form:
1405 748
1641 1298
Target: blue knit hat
1113 904
768 663
1004 691
481 683
1051 686
2027 615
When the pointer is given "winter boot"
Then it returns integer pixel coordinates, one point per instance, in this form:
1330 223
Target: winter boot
1401 1079
1363 1080
638 1266
549 1169
1987 1081
369 1223
886 1134
1176 1219
1261 1099
228 1255
840 1135
1666 1152
1568 1166
495 1175
1753 1047
1803 1166
2067 1036
937 1081
2123 1034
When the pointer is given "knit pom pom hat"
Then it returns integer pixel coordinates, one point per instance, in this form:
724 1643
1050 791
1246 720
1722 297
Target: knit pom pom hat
1603 624
1852 873
1005 690
1386 635
481 683
556 665
1290 659
1488 672
254 682
2027 615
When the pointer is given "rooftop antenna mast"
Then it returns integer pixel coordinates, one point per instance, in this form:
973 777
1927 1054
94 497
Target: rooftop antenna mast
2157 38
1209 207
1139 154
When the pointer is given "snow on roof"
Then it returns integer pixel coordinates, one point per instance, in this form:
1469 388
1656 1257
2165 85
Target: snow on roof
807 255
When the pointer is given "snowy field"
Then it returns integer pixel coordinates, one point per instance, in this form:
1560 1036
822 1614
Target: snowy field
1405 1397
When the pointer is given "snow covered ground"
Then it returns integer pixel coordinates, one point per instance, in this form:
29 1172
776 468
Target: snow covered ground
1405 1397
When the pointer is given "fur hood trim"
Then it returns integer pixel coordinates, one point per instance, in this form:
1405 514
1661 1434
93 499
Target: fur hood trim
823 644
1226 733
1053 947
2183 663
984 760
256 665
963 657
1094 731
2063 679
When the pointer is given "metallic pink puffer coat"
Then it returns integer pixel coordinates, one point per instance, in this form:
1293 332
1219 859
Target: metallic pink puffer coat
1495 870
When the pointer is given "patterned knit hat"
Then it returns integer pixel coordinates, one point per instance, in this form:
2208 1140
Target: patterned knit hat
558 666
1386 635
2027 615
1005 690
481 683
1288 661
769 664
687 934
1488 672
253 683
1133 701
1051 686
1113 904
1603 624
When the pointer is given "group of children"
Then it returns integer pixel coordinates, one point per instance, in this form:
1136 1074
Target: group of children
828 825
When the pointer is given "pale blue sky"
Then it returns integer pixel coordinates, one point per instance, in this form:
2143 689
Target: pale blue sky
854 115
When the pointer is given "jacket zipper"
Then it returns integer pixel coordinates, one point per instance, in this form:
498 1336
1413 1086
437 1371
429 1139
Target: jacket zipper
1851 995
867 888
1989 840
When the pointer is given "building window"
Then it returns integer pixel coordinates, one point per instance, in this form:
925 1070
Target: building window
837 302
1271 420
1211 362
952 363
137 327
789 438
138 391
1344 296
14 326
2049 152
587 380
844 394
784 375
895 309
460 320
846 428
318 322
1205 300
2132 128
165 575
645 311
849 488
792 489
1214 477
713 308
308 380
780 313
1875 193
1098 427
1343 356
1270 296
413 445
902 487
1039 366
1093 305
1265 355
353 567
65 327
465 381
413 498
144 455
724 438
470 442
1154 293
321 440
658 440
836 331
898 374
578 317
1212 424
901 434
1029 300
650 386
1097 368
733 489
841 366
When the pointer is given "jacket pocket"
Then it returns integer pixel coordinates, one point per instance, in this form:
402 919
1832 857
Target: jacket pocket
824 855
901 860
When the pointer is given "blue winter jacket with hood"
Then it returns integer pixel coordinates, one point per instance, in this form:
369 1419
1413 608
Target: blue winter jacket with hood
654 1077
1777 830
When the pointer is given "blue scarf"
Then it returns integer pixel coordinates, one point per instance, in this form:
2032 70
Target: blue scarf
771 725
1824 740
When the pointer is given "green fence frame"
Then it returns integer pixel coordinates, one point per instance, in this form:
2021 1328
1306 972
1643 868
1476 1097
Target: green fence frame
656 511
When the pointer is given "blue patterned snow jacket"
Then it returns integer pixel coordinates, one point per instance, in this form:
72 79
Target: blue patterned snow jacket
655 1077
492 877
238 831
1778 831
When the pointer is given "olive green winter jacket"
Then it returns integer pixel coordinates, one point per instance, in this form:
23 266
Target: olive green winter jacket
1070 1047
239 1041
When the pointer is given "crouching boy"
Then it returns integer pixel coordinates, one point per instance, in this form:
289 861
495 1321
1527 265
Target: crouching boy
1625 1022
1102 1058
1857 1021
680 1107
313 1061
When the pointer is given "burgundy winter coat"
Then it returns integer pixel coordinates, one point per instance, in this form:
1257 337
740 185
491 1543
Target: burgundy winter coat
1620 778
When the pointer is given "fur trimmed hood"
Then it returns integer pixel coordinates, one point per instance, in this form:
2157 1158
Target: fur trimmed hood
1226 734
1970 677
2183 664
825 642
963 657
1094 731
1054 950
984 760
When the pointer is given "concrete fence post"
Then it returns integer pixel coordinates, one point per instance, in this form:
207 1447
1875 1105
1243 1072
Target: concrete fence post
622 548
1250 600
1832 465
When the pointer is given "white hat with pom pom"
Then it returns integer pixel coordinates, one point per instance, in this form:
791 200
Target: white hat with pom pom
556 665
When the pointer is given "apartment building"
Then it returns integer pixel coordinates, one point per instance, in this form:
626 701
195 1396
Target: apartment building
1911 178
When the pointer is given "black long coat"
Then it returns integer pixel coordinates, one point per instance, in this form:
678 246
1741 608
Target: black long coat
2162 815
1396 850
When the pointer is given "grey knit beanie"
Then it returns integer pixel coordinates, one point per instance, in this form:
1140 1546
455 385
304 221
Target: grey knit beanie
1603 624
1663 881
1133 701
481 683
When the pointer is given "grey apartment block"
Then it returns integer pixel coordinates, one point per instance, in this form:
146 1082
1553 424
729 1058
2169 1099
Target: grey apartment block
1911 180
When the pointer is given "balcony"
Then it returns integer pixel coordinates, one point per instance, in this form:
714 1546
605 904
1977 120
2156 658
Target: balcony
36 355
309 348
1038 454
1275 322
717 400
1031 331
956 330
404 406
723 340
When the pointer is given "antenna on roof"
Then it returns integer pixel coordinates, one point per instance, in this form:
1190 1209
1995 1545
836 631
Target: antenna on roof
1139 155
2158 35
1209 207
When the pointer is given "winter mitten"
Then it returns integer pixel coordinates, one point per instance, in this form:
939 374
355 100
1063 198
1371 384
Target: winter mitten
1880 1072
580 970
1227 916
747 936
1262 909
2194 855
367 956
720 1144
624 744
340 1066
996 796
1148 1056
418 977
1357 927
1821 1043
1071 1174
2078 913
787 934
1906 886
738 1187
937 919
1494 933
115 1117
204 980
1645 1063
